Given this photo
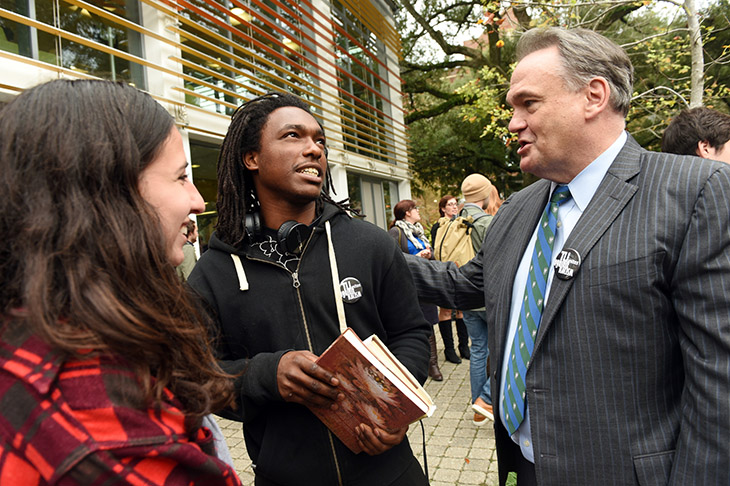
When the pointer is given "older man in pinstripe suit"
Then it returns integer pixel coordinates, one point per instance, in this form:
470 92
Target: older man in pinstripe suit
626 378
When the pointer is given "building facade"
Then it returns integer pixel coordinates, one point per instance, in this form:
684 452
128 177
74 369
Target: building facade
203 58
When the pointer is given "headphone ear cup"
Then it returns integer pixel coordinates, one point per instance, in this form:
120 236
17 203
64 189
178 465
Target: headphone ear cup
253 224
292 235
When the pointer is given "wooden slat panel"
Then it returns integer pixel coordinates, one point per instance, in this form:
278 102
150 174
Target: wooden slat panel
353 109
237 32
372 136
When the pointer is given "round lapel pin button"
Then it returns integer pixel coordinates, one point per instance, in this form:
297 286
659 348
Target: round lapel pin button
351 290
567 264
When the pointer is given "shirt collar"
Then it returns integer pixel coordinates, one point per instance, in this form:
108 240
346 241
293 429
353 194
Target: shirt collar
29 358
585 184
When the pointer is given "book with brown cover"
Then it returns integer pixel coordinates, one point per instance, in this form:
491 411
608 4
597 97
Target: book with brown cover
379 391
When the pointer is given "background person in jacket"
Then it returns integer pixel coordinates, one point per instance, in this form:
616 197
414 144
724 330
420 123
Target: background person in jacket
449 207
269 285
479 196
703 132
406 229
623 373
105 374
191 234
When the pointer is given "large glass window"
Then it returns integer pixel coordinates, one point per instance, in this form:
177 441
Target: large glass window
238 50
97 23
390 197
353 187
204 159
362 111
374 198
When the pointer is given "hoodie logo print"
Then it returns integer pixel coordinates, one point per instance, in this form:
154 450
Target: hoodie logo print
270 249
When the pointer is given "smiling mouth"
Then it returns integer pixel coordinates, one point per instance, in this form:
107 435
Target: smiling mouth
309 171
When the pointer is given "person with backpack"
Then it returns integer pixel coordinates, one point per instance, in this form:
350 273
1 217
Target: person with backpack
407 231
482 201
449 208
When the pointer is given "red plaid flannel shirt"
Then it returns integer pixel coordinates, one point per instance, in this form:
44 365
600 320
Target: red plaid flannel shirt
83 422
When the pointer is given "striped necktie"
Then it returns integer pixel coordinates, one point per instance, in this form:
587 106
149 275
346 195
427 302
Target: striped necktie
513 401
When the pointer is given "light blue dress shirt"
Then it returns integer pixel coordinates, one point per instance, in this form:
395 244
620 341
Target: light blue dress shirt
582 188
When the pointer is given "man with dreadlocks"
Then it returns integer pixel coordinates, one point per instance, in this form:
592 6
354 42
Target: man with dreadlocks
267 280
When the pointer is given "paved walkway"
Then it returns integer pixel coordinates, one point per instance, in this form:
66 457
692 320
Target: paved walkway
459 453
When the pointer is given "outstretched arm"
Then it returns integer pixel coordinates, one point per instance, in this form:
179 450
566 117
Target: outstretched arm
447 285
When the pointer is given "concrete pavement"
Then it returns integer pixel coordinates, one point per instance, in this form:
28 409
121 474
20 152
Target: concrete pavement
458 452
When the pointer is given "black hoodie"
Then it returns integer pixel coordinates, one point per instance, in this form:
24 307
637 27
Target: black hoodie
283 311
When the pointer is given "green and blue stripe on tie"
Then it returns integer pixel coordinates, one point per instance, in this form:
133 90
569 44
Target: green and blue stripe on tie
513 401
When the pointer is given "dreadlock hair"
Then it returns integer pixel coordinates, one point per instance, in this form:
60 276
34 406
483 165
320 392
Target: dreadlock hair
236 191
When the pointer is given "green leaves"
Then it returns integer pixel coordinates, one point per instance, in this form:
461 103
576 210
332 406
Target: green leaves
455 97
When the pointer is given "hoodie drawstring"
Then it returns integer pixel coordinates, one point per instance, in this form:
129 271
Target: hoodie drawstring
242 280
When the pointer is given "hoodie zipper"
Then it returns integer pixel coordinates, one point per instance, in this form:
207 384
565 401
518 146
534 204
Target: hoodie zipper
296 284
295 277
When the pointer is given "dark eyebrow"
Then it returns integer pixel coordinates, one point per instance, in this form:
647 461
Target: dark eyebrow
299 127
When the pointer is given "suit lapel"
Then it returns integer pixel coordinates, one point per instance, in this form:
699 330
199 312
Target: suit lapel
611 197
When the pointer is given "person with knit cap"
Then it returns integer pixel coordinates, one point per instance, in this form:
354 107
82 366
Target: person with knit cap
481 203
476 190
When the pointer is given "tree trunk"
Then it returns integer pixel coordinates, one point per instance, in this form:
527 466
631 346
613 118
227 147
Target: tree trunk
698 62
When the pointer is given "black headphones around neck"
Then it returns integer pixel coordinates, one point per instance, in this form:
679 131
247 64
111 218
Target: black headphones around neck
252 224
291 234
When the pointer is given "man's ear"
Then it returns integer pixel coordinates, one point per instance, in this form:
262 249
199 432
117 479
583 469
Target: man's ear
704 149
598 94
250 161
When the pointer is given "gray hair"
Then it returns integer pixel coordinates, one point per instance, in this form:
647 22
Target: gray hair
585 55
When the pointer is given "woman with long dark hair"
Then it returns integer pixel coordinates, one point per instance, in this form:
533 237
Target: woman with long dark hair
105 370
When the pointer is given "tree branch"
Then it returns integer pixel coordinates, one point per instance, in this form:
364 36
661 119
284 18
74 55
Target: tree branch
407 67
451 101
657 88
437 36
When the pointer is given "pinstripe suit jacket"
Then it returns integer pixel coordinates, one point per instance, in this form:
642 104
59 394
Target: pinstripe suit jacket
630 378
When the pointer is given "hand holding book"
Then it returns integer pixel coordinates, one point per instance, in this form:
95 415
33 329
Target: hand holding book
382 398
376 441
379 392
301 380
